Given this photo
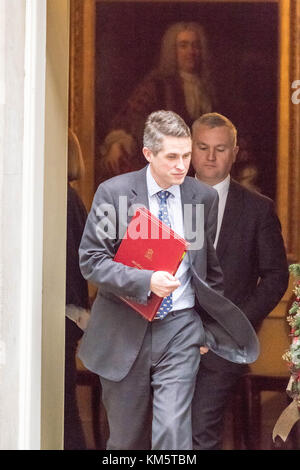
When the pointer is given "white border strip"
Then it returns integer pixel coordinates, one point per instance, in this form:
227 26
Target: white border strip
2 53
2 129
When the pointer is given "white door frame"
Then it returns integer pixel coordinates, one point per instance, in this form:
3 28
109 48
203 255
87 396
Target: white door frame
34 47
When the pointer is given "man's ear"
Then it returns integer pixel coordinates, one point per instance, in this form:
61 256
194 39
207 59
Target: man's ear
148 154
235 152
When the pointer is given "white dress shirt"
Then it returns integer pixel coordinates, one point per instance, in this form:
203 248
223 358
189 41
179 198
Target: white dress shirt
222 189
184 295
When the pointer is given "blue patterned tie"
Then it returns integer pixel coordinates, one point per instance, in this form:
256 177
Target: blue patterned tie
163 215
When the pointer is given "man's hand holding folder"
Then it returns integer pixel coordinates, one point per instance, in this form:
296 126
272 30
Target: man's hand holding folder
163 283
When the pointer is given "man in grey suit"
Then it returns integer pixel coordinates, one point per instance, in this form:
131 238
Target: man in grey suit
251 253
149 368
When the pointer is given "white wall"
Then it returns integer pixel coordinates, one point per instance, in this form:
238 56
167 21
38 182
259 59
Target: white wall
12 34
33 139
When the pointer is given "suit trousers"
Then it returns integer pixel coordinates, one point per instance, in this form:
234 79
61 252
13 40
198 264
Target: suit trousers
155 397
213 388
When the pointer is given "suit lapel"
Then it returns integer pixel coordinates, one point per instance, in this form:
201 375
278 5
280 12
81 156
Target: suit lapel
139 193
136 196
232 213
189 197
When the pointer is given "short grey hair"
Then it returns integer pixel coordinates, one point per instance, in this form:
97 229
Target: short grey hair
160 124
216 120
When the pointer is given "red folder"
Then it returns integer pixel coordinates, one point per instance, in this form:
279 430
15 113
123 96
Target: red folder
150 244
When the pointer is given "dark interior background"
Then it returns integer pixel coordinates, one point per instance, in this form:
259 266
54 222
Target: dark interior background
243 44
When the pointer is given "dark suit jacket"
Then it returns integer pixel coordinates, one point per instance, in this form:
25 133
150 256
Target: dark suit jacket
76 285
252 256
115 332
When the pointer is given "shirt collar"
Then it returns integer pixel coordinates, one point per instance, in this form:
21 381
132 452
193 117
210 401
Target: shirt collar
154 188
223 186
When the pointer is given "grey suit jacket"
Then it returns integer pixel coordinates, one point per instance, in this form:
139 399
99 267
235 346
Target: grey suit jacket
115 332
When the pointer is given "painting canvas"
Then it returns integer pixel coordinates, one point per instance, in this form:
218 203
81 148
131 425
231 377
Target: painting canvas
242 45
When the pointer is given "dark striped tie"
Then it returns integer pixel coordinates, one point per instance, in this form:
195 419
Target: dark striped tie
163 215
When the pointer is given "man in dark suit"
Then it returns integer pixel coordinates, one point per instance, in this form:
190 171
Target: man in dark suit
252 256
146 366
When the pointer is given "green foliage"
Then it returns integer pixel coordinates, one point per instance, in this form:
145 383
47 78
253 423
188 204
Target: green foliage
295 269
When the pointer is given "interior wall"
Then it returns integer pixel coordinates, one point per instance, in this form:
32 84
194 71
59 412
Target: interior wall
12 39
55 192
